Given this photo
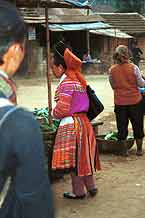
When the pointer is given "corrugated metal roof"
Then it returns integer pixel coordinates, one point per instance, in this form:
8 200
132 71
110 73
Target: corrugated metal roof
79 3
112 33
51 3
75 19
78 26
65 11
57 15
131 23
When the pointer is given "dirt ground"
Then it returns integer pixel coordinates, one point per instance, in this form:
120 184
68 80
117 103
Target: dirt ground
121 182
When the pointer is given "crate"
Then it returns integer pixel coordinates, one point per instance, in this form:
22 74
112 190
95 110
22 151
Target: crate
96 125
111 146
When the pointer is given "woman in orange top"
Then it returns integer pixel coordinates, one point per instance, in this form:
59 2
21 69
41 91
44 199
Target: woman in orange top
125 79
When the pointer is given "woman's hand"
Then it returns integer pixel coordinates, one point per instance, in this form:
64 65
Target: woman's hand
56 97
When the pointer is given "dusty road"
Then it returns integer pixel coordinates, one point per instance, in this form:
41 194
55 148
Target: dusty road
33 92
121 182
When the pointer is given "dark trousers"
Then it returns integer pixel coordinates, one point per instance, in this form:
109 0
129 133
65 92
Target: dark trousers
135 114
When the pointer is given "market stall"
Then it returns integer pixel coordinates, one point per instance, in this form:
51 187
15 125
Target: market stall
50 4
47 123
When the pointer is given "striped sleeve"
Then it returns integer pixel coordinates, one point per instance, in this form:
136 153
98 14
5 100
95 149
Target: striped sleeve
63 105
140 80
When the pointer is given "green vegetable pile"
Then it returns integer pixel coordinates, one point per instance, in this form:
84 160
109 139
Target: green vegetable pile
42 116
114 136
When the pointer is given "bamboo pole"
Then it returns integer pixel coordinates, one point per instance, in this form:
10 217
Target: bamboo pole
48 74
115 37
88 40
88 36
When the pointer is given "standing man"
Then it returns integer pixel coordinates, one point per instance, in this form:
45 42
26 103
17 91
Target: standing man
21 147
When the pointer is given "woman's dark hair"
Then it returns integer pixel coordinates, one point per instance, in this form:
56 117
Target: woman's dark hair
59 50
12 27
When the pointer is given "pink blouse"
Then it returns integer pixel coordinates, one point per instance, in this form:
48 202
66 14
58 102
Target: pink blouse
72 98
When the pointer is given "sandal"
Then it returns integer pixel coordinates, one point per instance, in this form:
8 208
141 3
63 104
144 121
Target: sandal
70 195
93 192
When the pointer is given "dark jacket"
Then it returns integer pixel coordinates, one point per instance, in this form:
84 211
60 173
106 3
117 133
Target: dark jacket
22 159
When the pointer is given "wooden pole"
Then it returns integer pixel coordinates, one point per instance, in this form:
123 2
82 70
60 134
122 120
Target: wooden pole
115 38
88 41
48 74
88 36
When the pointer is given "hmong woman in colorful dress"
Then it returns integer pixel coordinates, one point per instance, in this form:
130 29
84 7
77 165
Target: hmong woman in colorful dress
75 148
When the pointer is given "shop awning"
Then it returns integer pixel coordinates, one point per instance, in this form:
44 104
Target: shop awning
111 32
79 26
53 3
78 3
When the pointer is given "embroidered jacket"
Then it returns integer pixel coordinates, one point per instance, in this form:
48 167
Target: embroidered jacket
72 98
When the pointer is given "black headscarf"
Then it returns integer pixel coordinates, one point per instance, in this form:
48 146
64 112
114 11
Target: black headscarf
12 27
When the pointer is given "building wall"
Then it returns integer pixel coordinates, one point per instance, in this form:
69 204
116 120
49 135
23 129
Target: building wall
36 65
102 48
141 45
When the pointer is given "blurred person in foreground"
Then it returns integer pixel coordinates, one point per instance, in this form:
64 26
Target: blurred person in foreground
21 146
75 150
125 79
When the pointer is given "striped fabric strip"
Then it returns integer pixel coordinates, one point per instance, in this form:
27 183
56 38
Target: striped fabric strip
75 147
87 150
65 148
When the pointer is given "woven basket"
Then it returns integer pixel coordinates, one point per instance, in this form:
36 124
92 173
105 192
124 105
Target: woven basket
111 146
48 137
48 140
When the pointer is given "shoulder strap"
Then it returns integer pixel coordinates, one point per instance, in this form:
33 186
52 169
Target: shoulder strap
8 180
7 114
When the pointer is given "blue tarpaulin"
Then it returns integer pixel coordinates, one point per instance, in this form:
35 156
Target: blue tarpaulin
79 26
79 3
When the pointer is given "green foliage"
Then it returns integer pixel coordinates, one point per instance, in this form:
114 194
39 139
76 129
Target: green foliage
128 5
42 116
111 136
114 136
121 5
